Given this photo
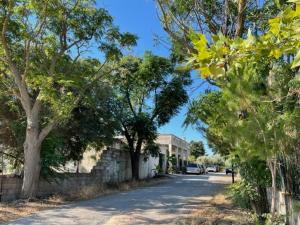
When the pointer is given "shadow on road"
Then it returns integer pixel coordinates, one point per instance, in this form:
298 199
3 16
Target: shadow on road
159 204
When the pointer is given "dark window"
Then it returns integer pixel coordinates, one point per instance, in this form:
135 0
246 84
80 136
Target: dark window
192 165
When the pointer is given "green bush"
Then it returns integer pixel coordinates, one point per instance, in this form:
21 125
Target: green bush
242 194
277 220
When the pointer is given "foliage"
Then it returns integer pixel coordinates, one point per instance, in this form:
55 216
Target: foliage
256 92
207 110
197 149
172 164
229 18
147 93
12 130
255 172
242 194
58 32
211 160
42 44
226 54
90 124
278 220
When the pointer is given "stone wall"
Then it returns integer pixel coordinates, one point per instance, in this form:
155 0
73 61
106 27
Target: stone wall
69 183
114 166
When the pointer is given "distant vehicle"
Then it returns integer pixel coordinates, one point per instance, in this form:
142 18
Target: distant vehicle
211 169
203 168
194 168
228 170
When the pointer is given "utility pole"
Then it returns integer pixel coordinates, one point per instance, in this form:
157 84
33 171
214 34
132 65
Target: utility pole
232 173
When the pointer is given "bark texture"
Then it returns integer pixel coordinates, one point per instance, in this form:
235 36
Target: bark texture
135 163
32 165
272 166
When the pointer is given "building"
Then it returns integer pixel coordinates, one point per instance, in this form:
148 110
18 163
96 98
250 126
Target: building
175 147
171 147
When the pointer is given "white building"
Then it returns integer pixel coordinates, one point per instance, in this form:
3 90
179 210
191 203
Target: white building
171 145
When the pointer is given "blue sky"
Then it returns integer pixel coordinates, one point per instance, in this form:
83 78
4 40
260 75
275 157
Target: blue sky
140 18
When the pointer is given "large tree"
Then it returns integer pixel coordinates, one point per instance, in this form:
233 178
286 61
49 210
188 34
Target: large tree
148 92
197 149
259 79
211 17
90 124
42 42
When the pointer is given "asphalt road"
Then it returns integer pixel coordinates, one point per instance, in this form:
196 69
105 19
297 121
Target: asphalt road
159 204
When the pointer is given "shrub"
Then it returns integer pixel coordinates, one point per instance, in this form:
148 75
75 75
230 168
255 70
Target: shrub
242 194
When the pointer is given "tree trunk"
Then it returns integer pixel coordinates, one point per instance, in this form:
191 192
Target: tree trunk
260 205
32 163
272 165
135 162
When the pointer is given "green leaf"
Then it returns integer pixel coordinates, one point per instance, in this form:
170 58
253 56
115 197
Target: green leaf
275 25
294 1
296 62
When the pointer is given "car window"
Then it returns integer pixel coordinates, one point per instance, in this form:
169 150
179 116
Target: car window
192 165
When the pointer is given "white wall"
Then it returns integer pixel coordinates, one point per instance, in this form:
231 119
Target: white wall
147 168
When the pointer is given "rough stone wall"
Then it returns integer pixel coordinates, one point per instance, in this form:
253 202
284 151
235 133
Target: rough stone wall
69 183
10 187
113 166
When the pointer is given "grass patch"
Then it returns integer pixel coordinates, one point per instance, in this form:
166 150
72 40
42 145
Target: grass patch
217 211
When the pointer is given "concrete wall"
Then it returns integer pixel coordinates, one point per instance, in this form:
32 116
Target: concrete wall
113 166
286 204
147 168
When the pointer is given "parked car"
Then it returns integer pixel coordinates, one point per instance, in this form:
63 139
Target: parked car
211 169
228 170
194 168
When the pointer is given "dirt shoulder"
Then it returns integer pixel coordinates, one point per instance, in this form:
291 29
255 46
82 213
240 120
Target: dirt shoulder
217 211
21 208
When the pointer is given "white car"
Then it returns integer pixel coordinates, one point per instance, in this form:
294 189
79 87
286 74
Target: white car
211 169
193 168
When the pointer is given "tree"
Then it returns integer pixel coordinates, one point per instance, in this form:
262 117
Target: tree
208 113
258 77
41 47
226 17
90 124
12 130
148 92
211 160
197 149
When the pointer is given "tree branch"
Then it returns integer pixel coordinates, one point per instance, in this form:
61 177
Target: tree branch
47 129
240 18
12 156
25 98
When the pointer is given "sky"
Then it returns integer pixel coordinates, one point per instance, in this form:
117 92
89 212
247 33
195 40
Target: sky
140 18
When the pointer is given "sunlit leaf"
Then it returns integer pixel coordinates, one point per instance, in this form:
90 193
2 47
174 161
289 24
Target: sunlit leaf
296 61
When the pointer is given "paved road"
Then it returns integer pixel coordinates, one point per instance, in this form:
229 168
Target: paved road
160 204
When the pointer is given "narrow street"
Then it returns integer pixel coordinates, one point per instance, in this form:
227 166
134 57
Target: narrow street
161 204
